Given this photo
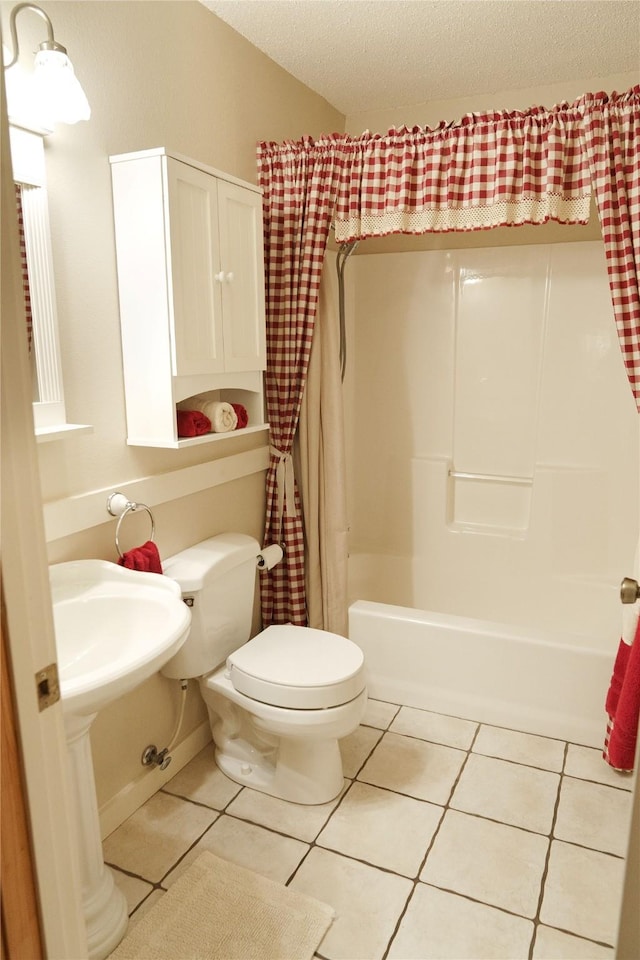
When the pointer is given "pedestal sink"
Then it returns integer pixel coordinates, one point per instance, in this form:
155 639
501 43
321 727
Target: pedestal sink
114 628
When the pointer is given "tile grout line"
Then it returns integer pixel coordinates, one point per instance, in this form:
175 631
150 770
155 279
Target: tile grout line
545 871
157 884
552 837
314 842
430 845
581 846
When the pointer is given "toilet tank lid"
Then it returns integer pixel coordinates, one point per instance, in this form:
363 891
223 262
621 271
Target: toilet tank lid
192 566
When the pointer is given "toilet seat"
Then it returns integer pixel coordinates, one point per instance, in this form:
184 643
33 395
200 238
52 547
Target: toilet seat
298 667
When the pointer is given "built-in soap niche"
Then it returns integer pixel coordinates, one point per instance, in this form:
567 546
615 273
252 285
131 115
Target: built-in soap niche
498 506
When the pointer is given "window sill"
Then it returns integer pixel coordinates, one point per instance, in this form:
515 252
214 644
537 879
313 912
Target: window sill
61 431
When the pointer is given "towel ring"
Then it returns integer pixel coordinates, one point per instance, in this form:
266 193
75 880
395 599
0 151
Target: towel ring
119 506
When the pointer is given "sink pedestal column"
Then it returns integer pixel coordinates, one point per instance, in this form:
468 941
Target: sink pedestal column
104 905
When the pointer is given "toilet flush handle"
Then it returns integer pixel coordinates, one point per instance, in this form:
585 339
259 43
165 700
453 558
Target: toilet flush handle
629 590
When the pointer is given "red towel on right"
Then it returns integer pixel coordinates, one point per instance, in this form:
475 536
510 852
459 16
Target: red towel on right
623 706
242 415
192 423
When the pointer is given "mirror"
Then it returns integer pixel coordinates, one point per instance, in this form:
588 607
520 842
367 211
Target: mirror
27 156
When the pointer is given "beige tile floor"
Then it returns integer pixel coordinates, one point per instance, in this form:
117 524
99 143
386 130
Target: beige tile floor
451 839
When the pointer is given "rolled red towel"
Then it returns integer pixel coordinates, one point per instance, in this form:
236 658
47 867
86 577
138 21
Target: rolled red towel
242 415
192 423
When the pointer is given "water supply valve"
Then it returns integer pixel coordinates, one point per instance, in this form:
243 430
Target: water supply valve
152 757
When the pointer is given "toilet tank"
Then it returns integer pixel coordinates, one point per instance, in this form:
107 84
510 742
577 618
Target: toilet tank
217 578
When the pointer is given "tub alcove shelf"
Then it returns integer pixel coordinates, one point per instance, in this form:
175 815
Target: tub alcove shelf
189 251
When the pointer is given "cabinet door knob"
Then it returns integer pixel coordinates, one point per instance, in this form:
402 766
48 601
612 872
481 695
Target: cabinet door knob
229 277
219 276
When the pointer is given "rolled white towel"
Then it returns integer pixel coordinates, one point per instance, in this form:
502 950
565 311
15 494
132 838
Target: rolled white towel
222 415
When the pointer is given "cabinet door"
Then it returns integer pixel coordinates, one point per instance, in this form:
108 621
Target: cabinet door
193 262
242 277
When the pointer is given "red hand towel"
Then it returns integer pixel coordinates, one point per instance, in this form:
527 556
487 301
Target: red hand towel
192 423
145 558
623 706
242 415
619 670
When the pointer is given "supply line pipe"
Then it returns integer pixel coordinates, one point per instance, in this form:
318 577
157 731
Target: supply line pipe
151 756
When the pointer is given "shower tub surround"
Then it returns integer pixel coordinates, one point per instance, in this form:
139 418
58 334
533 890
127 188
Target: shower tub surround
493 481
493 443
451 839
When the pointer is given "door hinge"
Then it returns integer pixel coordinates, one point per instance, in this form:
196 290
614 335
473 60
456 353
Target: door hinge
47 686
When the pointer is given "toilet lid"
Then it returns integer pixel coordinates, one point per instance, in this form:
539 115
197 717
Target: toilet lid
298 667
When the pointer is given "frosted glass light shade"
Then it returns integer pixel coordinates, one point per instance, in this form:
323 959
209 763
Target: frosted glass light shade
57 89
21 105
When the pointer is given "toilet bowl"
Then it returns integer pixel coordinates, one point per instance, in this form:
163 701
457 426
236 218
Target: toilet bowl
279 707
279 703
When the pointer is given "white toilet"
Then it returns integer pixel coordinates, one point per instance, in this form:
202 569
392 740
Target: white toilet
279 703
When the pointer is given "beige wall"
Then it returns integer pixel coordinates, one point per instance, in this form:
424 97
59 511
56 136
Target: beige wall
156 74
430 113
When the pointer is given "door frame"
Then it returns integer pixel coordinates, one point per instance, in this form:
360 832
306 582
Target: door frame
21 928
28 616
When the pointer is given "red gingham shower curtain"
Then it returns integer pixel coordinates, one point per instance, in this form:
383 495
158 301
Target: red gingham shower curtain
300 184
487 170
612 145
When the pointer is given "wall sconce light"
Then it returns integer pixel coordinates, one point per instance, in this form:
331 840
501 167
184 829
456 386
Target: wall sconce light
52 94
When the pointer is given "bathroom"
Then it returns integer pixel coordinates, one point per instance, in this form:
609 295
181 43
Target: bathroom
194 99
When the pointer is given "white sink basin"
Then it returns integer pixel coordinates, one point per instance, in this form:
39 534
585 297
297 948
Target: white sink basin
114 628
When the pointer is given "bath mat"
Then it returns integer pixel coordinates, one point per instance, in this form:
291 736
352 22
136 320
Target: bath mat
219 911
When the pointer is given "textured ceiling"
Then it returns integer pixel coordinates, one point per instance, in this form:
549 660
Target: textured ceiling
374 54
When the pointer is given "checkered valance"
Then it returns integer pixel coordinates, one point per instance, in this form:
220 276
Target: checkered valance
487 170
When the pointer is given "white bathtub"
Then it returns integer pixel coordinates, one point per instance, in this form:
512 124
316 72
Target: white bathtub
550 684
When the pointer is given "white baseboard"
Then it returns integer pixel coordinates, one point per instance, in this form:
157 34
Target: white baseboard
116 810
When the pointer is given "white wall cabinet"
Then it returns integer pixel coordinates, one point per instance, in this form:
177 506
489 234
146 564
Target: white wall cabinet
190 264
